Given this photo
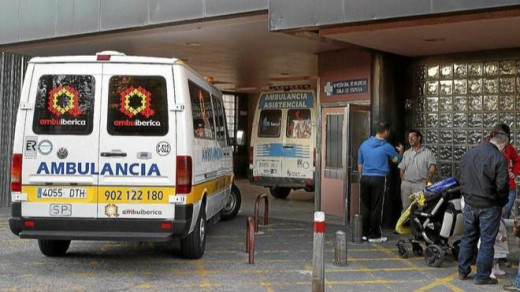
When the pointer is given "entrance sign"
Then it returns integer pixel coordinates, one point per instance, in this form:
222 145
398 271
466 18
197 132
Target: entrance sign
346 87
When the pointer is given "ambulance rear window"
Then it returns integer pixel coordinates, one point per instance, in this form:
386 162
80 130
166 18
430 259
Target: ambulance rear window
299 123
137 106
269 124
64 105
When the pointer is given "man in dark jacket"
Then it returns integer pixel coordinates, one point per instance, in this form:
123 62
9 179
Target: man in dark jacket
484 185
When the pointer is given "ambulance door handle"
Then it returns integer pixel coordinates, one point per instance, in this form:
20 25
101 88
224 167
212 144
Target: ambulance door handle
113 154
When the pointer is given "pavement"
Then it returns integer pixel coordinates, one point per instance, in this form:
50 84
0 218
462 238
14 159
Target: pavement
283 260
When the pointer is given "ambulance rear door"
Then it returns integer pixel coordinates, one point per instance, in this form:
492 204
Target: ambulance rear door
61 135
268 147
137 142
298 139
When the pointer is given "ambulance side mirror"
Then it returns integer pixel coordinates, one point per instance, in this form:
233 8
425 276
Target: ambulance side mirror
241 138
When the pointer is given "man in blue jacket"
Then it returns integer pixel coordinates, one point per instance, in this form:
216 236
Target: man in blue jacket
373 156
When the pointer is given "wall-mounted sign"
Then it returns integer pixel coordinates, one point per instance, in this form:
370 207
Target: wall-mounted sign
346 87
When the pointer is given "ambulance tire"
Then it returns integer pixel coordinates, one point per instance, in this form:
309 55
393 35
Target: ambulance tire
279 192
53 248
193 245
232 206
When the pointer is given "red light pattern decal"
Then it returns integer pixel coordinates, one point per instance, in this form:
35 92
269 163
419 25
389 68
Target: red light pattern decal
145 98
71 107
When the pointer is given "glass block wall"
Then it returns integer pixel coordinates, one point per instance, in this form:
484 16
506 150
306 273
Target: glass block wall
455 104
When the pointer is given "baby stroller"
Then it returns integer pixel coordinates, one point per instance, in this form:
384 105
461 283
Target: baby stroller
435 217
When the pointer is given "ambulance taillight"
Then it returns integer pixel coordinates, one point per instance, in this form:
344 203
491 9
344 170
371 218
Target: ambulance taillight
16 173
184 173
314 158
251 151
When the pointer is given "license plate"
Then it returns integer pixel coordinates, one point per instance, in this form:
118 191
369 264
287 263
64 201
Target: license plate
269 168
62 193
60 209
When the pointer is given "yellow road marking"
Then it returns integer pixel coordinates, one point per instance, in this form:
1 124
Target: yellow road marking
453 287
267 261
203 272
144 286
439 282
383 259
191 286
267 286
365 282
306 268
364 270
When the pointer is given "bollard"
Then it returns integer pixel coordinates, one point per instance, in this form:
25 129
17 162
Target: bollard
266 210
357 229
318 276
340 248
250 239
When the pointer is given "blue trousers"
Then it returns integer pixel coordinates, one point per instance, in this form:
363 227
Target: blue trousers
480 223
510 204
516 282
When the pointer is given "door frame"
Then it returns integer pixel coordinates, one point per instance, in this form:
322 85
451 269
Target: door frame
348 163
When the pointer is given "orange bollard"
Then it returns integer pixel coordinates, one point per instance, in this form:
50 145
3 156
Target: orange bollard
266 210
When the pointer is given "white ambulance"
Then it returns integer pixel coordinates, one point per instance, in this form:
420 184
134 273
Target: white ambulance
283 140
114 147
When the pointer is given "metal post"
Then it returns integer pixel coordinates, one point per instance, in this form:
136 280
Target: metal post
317 169
250 239
266 210
340 248
318 275
357 229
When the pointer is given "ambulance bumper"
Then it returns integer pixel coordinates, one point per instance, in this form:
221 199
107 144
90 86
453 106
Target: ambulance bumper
285 182
102 229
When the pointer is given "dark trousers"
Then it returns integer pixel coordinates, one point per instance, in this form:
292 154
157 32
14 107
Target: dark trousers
372 199
480 223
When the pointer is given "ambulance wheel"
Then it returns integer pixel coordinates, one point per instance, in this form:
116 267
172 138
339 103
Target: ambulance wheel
232 206
279 192
53 248
433 255
193 245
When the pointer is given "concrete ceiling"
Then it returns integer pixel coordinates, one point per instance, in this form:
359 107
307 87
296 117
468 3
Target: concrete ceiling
240 53
243 56
480 31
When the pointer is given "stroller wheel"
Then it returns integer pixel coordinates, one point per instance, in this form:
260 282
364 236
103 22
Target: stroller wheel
433 255
401 249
